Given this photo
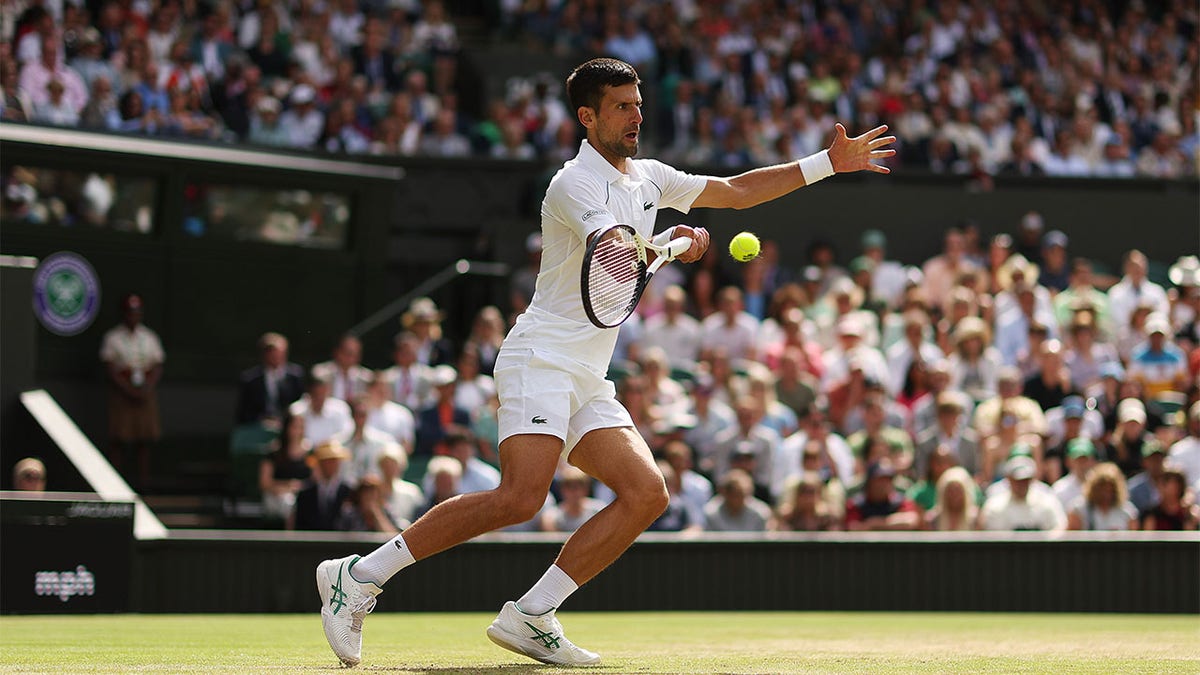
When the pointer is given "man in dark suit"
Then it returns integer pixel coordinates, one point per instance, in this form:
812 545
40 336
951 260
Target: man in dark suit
374 60
434 422
322 504
266 390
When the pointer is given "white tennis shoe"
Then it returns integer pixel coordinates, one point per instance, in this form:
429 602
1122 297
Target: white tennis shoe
344 604
538 637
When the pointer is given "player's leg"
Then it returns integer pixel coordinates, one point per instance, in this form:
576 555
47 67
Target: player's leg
348 586
620 458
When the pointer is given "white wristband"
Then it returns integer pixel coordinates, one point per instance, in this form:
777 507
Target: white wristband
815 167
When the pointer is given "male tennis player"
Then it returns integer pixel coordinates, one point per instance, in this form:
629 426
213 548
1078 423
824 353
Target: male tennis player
550 373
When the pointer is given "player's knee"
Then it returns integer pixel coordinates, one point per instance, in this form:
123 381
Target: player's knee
654 498
519 506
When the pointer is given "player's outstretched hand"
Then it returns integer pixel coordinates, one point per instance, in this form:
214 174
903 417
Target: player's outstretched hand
859 153
699 237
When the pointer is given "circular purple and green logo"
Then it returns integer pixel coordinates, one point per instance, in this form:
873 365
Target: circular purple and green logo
66 293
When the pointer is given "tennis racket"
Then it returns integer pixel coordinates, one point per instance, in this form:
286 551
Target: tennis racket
616 271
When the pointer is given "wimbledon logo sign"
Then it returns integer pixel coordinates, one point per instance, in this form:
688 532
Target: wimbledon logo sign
66 294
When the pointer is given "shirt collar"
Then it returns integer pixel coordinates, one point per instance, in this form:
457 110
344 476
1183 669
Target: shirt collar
592 159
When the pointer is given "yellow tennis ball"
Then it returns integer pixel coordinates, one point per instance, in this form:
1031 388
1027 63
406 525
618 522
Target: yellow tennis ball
744 247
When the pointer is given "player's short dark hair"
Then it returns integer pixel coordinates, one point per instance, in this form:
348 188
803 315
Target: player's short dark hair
586 84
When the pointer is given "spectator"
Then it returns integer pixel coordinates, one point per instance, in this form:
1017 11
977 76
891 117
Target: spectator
1055 270
1134 288
265 128
324 504
1143 488
437 420
955 508
950 433
302 122
1019 507
348 378
101 110
444 473
401 499
730 329
15 105
923 493
1176 508
681 514
887 277
750 436
29 475
1129 436
913 347
1052 382
734 509
133 358
368 513
1185 453
1073 419
880 506
974 364
56 110
365 443
325 417
1104 504
1158 365
575 507
444 140
477 475
283 472
36 77
1081 457
266 390
423 319
675 332
411 379
942 271
1086 355
802 508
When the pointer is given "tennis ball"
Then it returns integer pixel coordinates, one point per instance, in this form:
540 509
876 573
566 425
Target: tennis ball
744 247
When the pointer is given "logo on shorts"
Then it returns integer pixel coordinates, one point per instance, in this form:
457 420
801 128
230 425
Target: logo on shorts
538 420
66 294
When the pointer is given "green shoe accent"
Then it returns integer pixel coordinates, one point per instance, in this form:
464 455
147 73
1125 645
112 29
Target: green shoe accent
338 600
549 640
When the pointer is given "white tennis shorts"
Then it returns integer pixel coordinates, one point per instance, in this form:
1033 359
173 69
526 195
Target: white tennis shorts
542 392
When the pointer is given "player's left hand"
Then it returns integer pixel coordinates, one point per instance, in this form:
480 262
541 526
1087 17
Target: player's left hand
859 153
699 237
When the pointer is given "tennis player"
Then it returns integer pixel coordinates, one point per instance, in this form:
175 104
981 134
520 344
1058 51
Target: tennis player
550 373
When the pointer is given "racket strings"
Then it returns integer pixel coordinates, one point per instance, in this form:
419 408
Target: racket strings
614 278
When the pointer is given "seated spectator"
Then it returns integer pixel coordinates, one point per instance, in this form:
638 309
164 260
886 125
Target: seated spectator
713 418
1052 382
476 475
880 506
923 493
1020 508
412 380
875 428
1104 503
695 489
1129 436
401 499
734 509
664 393
445 475
950 432
56 110
749 435
1177 509
1185 453
474 389
325 417
673 330
365 443
436 420
1086 355
802 508
266 390
368 513
387 416
745 458
974 364
283 472
1081 458
302 122
576 505
324 504
955 507
29 475
344 370
1143 488
1158 364
731 328
424 320
681 514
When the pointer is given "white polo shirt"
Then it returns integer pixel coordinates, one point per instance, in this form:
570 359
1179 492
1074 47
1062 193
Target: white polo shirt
586 195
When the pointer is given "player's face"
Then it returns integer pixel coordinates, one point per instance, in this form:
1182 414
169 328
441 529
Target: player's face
618 122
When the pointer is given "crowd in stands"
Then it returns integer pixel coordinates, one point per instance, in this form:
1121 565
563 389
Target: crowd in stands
970 88
1002 385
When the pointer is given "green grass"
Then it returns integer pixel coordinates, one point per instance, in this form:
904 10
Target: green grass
758 642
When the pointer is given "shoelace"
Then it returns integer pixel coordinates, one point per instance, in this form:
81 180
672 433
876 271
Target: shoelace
359 611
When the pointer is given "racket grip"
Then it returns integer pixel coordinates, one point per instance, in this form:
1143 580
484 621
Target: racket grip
678 246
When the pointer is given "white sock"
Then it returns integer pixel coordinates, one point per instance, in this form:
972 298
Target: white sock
548 593
381 564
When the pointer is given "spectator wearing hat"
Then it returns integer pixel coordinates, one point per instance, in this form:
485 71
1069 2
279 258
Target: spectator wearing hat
266 390
888 278
436 420
29 475
734 508
411 380
1081 457
424 320
133 358
1129 436
949 432
401 498
1056 272
974 364
880 506
345 373
1029 237
324 504
1020 508
1064 423
1135 289
1103 504
1143 488
325 417
1176 509
303 122
1185 453
1158 365
265 126
1185 310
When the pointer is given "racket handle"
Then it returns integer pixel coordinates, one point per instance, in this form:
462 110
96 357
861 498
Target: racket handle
676 247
